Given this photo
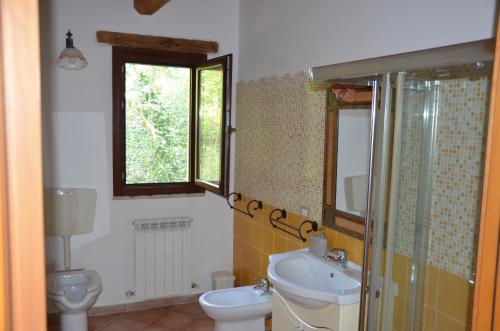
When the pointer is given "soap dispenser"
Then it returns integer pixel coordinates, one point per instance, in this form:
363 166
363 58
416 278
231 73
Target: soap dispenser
318 245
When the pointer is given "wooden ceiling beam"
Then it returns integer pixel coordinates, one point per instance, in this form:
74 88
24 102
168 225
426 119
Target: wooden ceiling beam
149 7
158 43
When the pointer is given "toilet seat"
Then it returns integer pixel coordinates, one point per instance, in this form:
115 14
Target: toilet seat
74 287
56 280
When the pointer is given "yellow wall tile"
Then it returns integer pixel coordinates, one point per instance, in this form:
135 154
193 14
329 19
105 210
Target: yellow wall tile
253 258
429 319
256 236
267 241
279 245
245 230
245 275
431 286
399 316
454 296
445 323
237 226
237 270
357 254
400 273
331 236
253 277
264 262
352 246
293 244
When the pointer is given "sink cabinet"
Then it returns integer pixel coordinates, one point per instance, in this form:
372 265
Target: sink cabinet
288 316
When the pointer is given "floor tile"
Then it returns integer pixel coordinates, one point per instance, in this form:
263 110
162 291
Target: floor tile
143 316
203 325
189 308
157 328
98 322
184 317
124 325
175 320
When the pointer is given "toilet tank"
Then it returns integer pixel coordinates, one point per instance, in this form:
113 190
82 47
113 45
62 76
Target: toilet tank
69 211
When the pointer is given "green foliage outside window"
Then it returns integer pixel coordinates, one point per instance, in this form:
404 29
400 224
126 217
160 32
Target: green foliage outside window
157 123
210 111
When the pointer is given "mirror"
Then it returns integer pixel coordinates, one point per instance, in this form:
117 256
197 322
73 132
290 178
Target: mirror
352 161
346 158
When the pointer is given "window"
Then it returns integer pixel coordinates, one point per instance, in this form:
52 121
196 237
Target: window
171 115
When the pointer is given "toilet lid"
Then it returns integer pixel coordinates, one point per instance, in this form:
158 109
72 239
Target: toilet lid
94 281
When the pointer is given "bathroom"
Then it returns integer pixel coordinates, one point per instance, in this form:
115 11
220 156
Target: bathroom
284 164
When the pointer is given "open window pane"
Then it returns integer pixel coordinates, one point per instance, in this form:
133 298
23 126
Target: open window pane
213 102
210 110
157 123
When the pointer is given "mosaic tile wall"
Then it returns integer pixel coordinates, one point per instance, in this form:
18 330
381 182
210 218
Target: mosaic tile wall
457 174
280 142
279 159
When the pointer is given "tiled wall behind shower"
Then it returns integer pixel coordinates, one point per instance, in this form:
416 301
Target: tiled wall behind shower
457 173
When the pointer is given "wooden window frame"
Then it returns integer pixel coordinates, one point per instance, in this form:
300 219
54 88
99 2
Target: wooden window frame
223 188
123 55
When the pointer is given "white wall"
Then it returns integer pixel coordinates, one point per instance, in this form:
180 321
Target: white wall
77 135
287 36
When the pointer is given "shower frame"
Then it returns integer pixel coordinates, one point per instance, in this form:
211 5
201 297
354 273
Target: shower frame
372 72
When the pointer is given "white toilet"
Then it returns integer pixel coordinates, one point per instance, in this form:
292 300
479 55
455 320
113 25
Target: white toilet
72 292
241 308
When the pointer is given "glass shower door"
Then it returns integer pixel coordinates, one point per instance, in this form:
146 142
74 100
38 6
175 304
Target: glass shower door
430 138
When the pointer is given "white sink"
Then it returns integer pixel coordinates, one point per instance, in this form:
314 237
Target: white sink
313 282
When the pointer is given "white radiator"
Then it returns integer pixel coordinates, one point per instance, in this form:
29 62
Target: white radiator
162 257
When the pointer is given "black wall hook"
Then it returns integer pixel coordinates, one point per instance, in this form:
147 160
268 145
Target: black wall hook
314 227
257 204
278 220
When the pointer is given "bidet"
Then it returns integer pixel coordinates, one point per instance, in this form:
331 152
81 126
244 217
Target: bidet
241 308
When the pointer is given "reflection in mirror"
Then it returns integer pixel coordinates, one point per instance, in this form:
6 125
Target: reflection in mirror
352 160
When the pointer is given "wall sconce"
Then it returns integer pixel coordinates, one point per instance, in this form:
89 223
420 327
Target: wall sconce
71 58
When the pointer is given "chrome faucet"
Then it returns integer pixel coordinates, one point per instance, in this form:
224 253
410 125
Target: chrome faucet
263 286
337 255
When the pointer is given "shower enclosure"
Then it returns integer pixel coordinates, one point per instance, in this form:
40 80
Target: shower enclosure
428 132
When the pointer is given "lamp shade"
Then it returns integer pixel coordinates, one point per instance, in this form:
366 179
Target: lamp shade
71 58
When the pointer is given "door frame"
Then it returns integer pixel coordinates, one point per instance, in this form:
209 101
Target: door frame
22 257
487 282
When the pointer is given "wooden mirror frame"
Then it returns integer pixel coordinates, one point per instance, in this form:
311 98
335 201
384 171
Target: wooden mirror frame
338 220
